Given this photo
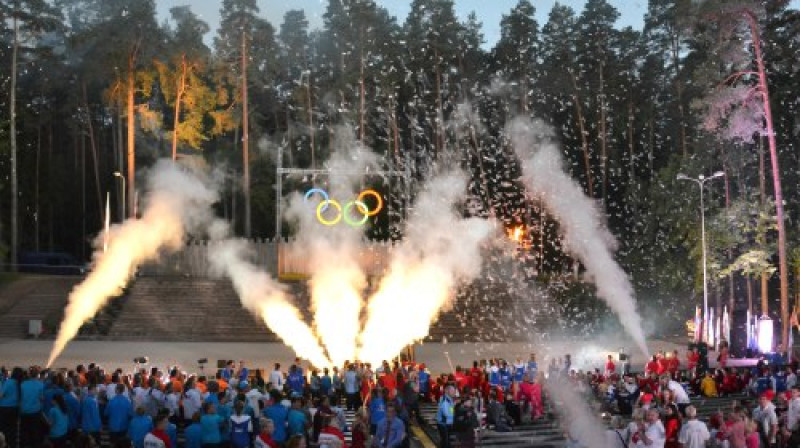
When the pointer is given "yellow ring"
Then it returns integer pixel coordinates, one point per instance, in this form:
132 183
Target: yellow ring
338 208
378 198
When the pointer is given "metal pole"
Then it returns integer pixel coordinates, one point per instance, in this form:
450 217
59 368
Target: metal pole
705 274
124 185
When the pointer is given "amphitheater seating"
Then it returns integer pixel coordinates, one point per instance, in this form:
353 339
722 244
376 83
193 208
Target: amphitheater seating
33 297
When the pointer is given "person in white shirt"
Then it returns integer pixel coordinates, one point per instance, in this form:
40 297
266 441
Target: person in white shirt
172 402
678 393
192 401
791 378
253 396
652 433
276 378
792 430
694 433
155 438
764 414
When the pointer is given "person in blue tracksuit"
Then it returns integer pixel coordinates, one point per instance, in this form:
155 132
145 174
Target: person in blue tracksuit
31 401
279 416
119 412
90 414
139 427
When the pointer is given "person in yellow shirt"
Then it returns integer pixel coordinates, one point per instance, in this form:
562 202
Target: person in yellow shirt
708 386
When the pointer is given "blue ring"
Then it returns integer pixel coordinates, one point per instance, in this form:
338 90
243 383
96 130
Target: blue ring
320 191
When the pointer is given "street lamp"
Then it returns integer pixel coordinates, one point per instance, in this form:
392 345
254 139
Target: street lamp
700 181
124 186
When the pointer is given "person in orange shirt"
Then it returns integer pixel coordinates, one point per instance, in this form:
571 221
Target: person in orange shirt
662 363
201 385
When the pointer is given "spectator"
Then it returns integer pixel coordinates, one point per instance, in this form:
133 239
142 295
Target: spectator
58 420
278 413
9 405
672 426
296 421
651 433
264 439
31 425
694 433
764 415
361 429
119 412
241 427
90 414
708 386
139 427
617 436
158 438
212 424
444 416
678 393
390 432
465 422
194 432
331 435
276 378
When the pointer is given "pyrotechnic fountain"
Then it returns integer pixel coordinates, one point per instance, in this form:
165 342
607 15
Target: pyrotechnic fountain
440 251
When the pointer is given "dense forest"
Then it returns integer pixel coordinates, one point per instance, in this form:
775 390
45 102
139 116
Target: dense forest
93 91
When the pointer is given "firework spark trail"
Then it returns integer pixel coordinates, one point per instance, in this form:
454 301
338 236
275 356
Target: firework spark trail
580 220
337 279
178 202
266 298
440 251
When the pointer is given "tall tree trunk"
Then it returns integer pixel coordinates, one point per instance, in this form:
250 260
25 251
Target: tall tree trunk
131 97
587 162
762 185
776 178
631 144
36 214
95 156
245 142
676 41
603 138
13 143
362 89
309 106
178 99
50 238
439 111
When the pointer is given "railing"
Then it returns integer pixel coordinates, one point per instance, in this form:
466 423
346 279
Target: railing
281 258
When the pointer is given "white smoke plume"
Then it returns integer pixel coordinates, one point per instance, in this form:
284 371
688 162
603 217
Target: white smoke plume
177 203
584 233
576 415
440 250
337 279
265 297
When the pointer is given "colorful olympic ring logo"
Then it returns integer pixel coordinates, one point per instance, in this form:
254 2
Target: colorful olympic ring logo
346 211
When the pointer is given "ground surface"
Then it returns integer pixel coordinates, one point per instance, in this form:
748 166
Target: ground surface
586 354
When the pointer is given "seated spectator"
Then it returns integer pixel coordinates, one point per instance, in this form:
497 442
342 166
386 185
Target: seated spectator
708 387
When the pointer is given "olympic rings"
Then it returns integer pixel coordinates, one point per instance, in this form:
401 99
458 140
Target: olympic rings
322 206
346 211
361 208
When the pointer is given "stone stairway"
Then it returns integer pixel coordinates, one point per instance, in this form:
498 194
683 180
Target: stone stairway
33 297
187 309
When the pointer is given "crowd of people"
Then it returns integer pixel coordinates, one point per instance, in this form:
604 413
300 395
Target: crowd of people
302 406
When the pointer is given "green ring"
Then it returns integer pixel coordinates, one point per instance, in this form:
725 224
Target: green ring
362 208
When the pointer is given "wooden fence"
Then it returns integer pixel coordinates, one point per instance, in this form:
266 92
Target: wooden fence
279 258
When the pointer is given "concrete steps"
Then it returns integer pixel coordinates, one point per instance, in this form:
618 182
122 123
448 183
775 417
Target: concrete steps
33 298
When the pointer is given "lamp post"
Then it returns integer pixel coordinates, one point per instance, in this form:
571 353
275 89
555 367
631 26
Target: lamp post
124 185
700 181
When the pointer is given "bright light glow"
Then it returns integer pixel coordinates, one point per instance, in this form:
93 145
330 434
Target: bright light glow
336 290
516 233
266 298
765 330
440 251
176 199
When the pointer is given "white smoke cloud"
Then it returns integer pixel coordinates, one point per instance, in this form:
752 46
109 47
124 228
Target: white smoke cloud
576 415
263 296
440 250
337 279
177 203
584 233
